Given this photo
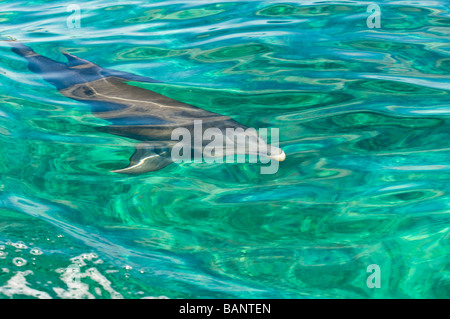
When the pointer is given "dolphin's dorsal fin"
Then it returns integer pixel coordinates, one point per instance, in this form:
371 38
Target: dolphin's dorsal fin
145 159
74 61
78 63
128 76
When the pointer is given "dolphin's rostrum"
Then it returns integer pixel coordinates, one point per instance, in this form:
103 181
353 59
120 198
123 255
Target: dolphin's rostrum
133 112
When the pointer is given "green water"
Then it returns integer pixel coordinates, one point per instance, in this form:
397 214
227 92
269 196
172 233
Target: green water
364 119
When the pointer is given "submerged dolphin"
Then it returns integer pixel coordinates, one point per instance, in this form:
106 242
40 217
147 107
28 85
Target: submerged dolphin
133 112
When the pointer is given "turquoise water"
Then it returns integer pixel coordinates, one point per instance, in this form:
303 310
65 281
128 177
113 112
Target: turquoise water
364 119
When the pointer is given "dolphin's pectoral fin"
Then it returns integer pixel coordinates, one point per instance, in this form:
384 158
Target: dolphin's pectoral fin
145 159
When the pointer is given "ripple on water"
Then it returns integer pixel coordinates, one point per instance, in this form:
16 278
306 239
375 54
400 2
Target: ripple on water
363 119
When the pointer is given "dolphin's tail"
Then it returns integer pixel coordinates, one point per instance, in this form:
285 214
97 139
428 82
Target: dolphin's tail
75 71
21 49
54 72
32 57
37 62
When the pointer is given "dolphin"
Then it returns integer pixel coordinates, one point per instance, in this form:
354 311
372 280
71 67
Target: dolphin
135 112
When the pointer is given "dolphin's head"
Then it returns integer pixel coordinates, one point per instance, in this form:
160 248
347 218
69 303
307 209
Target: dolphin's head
249 142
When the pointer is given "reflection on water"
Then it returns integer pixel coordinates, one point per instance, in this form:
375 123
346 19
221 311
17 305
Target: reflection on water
363 115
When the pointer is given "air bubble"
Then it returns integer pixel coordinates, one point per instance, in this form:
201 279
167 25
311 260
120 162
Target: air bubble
3 254
19 261
19 245
36 251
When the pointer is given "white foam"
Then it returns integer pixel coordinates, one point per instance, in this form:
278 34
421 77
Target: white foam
98 291
80 260
72 276
18 285
80 281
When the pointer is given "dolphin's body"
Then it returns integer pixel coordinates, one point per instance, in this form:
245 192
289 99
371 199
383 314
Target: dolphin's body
133 112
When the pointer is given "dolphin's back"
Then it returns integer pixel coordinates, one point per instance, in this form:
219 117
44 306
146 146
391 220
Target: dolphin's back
132 111
108 94
134 103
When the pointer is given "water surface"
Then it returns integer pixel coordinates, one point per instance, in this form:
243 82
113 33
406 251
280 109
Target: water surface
364 119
